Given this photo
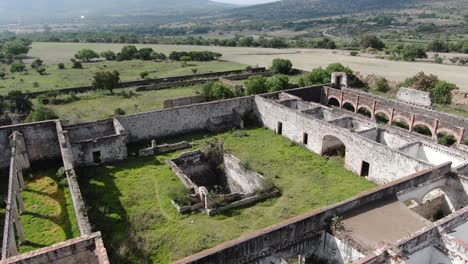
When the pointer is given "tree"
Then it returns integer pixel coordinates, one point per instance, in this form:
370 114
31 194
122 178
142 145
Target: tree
438 45
281 66
412 52
278 83
76 64
421 82
41 70
442 92
158 56
86 55
37 63
145 53
2 75
106 80
108 55
61 66
41 113
16 48
17 67
256 85
246 41
18 102
128 52
317 76
371 41
217 91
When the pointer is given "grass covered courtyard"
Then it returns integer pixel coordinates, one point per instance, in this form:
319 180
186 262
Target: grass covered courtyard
129 201
50 216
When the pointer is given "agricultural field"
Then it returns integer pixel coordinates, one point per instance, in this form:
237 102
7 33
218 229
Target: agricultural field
129 71
304 59
129 201
100 105
50 216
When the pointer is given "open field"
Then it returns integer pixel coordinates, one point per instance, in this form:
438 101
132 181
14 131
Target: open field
304 59
129 71
50 216
101 105
129 200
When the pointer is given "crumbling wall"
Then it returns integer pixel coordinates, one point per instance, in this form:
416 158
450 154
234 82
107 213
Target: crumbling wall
413 96
181 120
336 251
40 138
385 164
240 179
184 101
91 130
111 148
301 233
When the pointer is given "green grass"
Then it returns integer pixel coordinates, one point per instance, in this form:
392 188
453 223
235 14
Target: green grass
129 71
454 110
50 216
129 201
101 105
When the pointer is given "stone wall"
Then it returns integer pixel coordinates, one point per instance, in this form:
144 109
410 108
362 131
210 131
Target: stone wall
385 164
181 120
184 101
91 130
240 179
415 97
110 148
40 138
85 249
459 98
291 237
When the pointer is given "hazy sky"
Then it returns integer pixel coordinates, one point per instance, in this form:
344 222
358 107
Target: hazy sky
245 2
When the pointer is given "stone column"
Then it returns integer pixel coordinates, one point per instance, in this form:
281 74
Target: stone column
392 114
341 101
435 126
357 104
374 105
461 134
411 125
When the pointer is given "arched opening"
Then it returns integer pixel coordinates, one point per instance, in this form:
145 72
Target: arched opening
400 123
434 206
365 112
348 106
446 139
423 130
334 147
333 102
381 118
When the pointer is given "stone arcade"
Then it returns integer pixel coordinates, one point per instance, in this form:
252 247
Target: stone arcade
410 168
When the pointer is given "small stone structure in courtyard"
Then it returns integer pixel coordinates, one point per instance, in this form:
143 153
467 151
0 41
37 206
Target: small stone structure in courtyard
218 181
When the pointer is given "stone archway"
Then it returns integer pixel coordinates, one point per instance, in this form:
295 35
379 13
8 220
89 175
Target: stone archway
333 146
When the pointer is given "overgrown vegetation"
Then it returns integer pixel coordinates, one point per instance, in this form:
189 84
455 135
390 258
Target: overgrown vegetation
139 224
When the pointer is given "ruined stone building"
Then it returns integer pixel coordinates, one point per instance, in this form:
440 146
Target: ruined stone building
389 224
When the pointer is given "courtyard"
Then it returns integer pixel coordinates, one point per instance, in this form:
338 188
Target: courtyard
129 202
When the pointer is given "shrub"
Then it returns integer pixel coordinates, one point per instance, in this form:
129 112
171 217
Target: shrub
381 85
217 91
281 66
127 95
108 55
17 67
86 55
412 52
441 93
143 75
61 66
277 83
42 113
421 82
41 70
256 85
119 111
43 99
446 139
2 75
371 41
76 64
354 53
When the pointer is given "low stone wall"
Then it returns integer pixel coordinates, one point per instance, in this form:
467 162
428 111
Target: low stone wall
147 82
291 237
183 101
153 150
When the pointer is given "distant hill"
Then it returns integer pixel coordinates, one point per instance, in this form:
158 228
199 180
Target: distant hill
290 9
49 11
